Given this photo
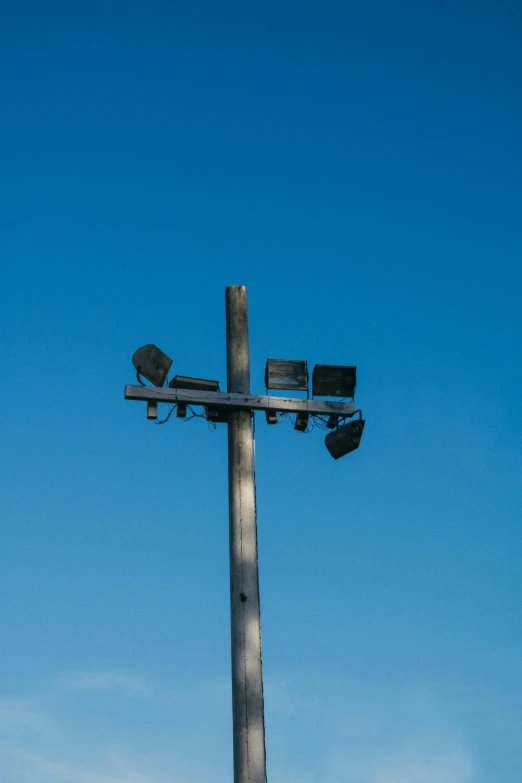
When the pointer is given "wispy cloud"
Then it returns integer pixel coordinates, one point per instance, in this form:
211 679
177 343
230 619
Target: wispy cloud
103 681
22 715
40 768
319 729
451 768
357 732
110 727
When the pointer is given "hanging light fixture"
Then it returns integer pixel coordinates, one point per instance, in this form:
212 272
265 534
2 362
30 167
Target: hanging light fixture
301 422
344 439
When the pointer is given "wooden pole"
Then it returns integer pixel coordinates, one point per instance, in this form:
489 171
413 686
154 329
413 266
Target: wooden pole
247 678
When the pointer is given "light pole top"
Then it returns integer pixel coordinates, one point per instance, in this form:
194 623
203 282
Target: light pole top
238 361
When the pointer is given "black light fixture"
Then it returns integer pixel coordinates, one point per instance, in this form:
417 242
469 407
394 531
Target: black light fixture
152 409
199 384
152 363
301 422
333 421
333 380
288 374
217 415
181 410
271 417
344 439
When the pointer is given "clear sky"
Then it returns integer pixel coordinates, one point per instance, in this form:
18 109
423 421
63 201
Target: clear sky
358 167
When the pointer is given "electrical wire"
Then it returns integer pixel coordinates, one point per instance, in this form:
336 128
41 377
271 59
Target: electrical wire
320 424
196 415
193 415
167 417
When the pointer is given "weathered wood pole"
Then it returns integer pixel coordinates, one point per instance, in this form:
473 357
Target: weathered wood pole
247 677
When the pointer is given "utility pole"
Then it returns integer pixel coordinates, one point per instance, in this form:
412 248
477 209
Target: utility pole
247 678
236 406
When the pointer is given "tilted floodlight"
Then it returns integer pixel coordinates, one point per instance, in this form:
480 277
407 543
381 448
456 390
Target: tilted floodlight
333 380
286 374
152 363
200 384
345 439
301 422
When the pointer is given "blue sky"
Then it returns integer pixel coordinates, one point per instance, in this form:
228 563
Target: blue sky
358 167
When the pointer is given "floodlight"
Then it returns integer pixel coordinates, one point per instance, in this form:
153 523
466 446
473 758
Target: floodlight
301 422
332 380
271 417
345 439
200 384
152 363
181 410
152 409
333 421
286 374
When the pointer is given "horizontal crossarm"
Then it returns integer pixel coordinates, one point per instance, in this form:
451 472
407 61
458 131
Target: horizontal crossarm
231 401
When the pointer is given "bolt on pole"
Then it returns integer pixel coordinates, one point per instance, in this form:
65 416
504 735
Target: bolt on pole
247 678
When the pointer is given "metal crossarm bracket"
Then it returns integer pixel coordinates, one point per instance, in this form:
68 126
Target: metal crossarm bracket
239 401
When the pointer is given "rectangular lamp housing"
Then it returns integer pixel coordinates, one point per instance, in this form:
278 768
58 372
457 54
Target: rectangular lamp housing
301 422
217 415
152 409
199 384
288 374
332 380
